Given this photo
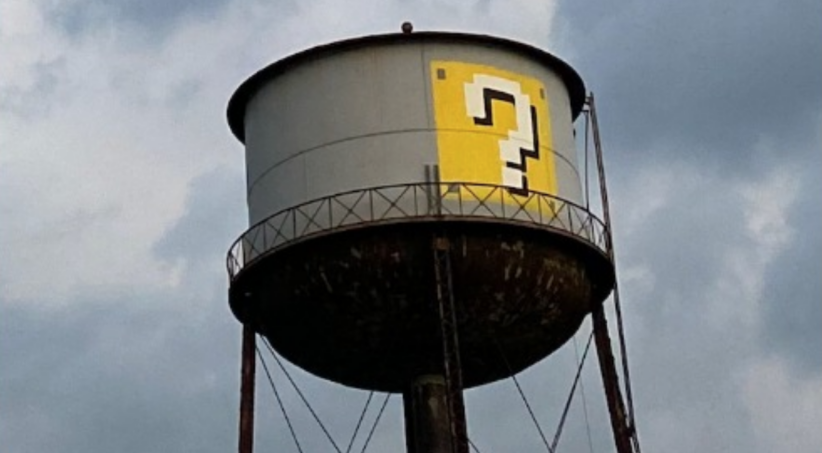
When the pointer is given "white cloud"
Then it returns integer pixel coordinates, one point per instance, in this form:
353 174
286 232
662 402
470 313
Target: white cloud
100 157
768 203
95 177
25 43
648 190
736 298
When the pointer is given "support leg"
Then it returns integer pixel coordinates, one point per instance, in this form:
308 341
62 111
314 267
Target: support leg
246 442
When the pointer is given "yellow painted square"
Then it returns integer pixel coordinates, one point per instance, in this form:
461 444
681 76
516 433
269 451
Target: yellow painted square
482 114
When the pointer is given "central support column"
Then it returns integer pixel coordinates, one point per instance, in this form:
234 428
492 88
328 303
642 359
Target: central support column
434 407
427 420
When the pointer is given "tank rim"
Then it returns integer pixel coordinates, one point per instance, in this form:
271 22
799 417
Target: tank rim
247 89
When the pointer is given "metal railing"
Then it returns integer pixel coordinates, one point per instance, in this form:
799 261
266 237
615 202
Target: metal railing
413 202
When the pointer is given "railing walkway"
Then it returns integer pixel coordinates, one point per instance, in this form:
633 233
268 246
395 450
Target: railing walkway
413 202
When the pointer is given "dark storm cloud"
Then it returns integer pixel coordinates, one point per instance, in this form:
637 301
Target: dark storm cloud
702 80
732 90
727 91
113 376
133 372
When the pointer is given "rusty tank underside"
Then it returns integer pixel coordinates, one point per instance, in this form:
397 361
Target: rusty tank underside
358 308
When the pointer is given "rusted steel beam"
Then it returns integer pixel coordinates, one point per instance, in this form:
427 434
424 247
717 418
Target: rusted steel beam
610 381
246 441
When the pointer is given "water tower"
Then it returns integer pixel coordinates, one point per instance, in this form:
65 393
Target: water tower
417 218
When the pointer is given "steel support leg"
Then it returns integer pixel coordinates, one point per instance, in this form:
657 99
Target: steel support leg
246 442
610 380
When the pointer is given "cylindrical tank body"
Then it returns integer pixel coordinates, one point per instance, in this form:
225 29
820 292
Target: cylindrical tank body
372 112
358 152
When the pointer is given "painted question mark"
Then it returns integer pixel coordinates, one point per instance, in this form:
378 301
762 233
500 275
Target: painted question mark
522 143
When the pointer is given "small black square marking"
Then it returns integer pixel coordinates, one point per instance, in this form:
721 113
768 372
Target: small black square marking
441 73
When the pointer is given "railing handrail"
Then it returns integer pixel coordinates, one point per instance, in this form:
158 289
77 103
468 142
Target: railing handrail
441 196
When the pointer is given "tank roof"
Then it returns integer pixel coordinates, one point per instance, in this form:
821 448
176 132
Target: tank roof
239 100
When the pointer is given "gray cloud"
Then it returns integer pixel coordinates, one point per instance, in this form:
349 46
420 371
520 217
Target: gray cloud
691 85
36 99
99 375
680 355
685 241
214 217
100 378
702 80
730 89
793 287
152 20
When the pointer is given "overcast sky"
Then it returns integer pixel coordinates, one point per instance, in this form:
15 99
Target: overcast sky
121 188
